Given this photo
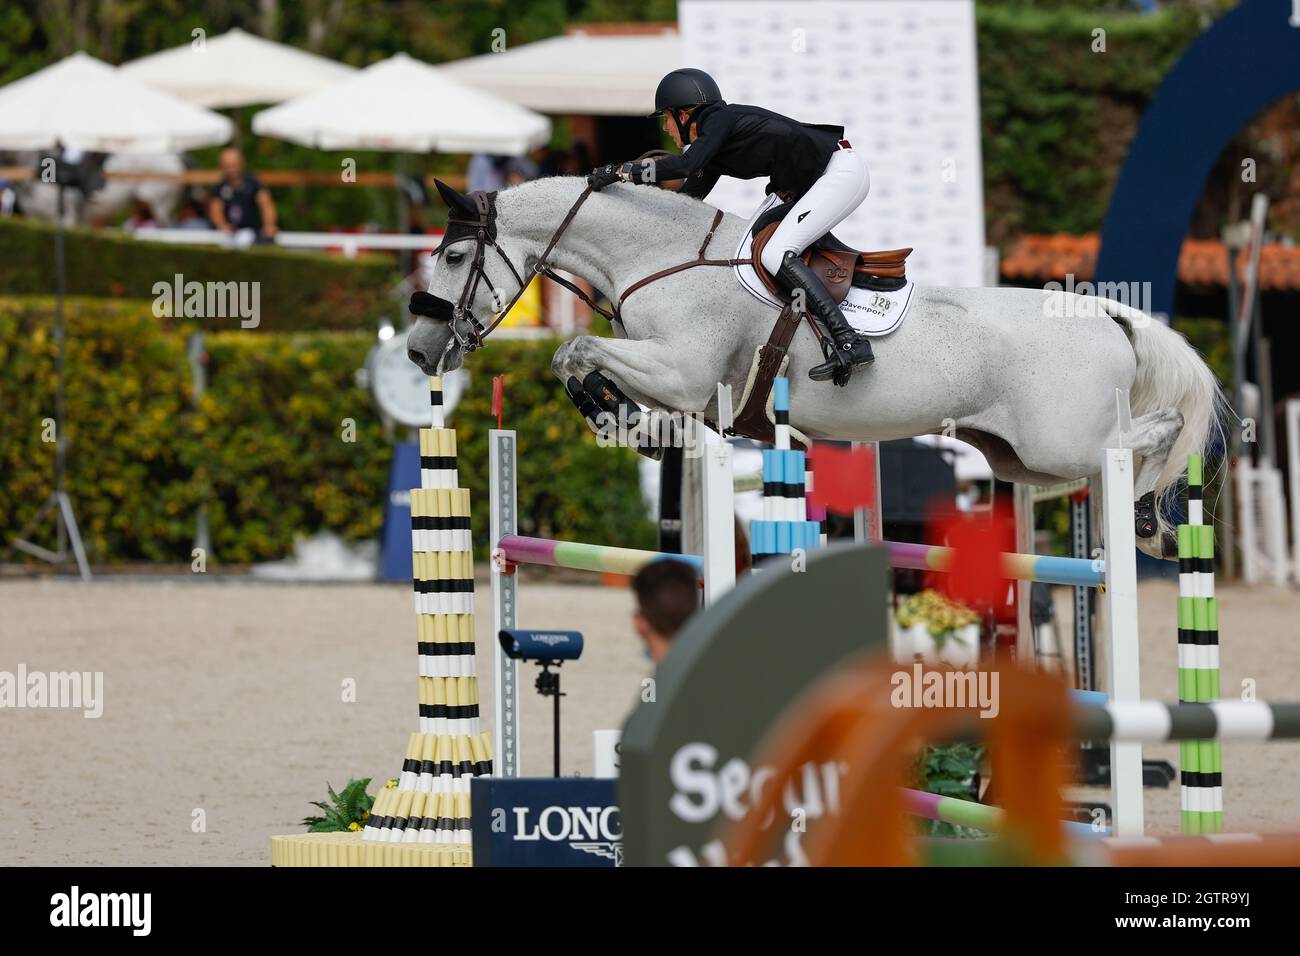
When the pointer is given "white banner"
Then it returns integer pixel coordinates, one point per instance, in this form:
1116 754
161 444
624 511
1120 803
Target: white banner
900 76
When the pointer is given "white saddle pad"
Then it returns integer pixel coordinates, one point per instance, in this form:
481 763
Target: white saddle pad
868 311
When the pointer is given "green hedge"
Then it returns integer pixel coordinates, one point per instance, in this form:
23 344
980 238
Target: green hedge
266 449
1057 118
297 290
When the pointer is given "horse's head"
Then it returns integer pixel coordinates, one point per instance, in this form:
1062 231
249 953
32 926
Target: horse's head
474 278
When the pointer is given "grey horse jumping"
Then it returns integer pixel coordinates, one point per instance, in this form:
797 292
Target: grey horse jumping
1027 376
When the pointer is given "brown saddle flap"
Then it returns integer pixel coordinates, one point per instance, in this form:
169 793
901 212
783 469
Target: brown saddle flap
835 267
891 264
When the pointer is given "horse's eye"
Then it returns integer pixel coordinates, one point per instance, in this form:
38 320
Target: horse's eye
454 258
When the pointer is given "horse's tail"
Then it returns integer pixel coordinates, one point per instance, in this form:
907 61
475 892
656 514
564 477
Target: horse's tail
1172 374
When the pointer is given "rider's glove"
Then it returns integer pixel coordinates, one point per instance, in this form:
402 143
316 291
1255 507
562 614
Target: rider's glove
602 176
636 171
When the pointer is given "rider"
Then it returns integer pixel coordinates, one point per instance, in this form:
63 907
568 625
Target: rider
813 166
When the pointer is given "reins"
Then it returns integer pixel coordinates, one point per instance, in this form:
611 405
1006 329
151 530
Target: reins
483 203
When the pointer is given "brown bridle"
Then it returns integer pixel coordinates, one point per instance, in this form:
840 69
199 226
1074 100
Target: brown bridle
484 225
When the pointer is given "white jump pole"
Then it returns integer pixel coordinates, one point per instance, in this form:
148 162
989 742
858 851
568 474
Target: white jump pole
503 492
1293 476
869 520
1022 506
1122 625
719 480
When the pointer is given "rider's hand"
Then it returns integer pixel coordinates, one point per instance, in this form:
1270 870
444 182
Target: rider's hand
602 176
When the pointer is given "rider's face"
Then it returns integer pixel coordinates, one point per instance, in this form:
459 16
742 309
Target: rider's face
671 128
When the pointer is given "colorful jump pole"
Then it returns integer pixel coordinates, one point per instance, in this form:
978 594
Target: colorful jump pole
518 549
980 816
785 526
1076 572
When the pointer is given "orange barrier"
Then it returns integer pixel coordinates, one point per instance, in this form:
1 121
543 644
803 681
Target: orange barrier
855 719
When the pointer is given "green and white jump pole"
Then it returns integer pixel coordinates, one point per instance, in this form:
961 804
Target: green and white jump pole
1201 785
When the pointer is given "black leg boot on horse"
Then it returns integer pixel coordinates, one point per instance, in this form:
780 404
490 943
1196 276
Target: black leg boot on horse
596 395
846 348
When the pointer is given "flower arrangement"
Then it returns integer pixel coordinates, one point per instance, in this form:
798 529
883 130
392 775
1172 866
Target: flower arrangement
931 620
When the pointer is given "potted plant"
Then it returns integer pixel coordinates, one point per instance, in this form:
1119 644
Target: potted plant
930 627
345 811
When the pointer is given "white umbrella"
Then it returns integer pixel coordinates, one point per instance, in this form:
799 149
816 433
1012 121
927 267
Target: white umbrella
85 103
236 69
405 105
577 73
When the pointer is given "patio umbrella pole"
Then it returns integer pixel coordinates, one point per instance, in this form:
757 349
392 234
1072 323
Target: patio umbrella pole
65 521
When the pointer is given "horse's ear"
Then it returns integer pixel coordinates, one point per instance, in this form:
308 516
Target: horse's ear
454 200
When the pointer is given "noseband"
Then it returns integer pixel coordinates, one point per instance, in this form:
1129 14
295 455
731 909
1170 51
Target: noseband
481 226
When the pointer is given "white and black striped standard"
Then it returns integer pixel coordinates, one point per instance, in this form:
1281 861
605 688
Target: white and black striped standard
1149 721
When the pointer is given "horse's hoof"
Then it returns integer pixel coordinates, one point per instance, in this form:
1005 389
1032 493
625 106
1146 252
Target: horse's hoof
1144 516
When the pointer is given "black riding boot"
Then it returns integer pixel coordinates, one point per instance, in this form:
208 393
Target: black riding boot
851 348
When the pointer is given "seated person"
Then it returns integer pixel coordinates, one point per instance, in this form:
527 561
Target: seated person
240 201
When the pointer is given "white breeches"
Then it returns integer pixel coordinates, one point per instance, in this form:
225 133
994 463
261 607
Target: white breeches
838 192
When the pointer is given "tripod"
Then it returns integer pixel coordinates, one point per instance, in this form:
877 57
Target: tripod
548 685
58 501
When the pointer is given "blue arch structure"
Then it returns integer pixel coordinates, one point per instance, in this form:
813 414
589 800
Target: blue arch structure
1246 61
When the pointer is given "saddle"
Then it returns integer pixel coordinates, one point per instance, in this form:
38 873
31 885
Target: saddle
840 267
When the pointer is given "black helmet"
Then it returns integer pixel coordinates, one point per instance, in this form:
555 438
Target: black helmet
685 88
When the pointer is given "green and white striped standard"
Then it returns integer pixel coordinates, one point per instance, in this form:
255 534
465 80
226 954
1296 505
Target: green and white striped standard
1201 782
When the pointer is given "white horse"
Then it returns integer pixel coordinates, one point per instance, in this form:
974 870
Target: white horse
40 200
1027 376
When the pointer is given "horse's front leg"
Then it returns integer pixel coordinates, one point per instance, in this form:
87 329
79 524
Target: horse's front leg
606 378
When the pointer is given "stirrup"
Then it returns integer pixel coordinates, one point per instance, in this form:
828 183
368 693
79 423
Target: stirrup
838 367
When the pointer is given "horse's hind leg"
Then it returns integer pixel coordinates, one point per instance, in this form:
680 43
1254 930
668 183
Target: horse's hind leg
1151 438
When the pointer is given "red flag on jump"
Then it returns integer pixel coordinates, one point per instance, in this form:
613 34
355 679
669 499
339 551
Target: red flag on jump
498 396
843 478
976 576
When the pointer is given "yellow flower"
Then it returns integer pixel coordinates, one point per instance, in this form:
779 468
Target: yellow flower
354 825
